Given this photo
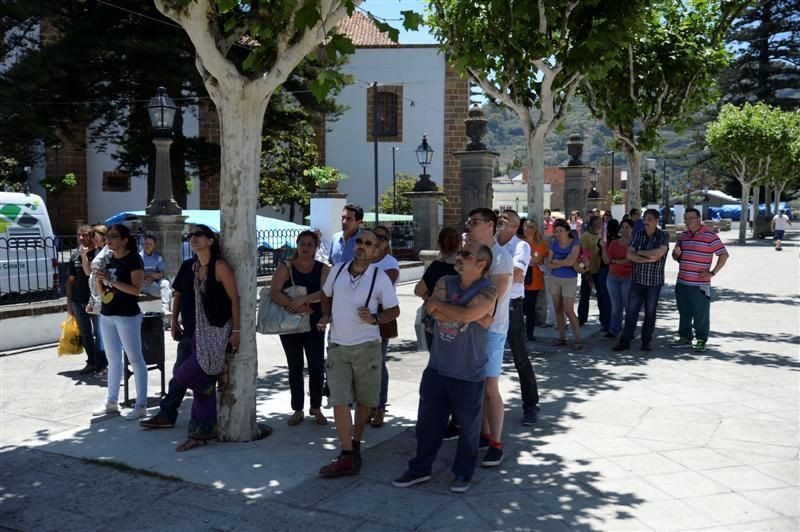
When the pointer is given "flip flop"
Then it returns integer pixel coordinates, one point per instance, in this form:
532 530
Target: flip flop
577 346
190 444
559 343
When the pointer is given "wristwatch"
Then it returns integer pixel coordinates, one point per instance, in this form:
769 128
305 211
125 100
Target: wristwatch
375 319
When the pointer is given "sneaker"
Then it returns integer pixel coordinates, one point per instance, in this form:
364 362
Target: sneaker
102 375
156 422
88 368
107 408
484 443
409 479
452 432
493 457
341 465
681 343
137 412
622 345
530 416
460 484
699 346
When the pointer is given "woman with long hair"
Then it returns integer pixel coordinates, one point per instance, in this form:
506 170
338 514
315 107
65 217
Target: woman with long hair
119 284
534 278
386 262
217 327
561 258
303 270
619 272
449 243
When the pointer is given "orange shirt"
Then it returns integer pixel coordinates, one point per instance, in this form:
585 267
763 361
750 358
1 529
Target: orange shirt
537 280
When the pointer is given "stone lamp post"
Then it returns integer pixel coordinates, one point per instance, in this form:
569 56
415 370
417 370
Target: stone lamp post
425 198
477 165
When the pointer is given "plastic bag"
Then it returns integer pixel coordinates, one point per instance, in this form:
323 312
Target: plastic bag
70 341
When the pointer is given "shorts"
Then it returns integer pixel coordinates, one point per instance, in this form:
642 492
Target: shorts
779 234
354 373
495 346
563 286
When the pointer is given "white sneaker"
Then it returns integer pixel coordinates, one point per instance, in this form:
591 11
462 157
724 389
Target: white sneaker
107 408
136 413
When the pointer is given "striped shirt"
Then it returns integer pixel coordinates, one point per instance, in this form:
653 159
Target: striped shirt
697 251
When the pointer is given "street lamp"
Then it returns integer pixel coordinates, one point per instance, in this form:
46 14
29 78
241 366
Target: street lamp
704 189
394 181
593 175
650 164
424 155
161 110
612 170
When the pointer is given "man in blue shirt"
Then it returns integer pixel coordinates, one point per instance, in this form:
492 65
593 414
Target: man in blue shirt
636 218
343 242
154 282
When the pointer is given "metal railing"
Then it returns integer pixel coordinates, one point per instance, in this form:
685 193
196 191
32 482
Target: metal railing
29 269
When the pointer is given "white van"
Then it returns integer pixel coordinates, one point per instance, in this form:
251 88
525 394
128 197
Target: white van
28 260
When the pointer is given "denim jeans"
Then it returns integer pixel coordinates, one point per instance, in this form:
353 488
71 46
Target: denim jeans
89 326
598 282
176 391
529 308
384 395
618 290
694 308
438 395
313 343
124 332
641 295
516 341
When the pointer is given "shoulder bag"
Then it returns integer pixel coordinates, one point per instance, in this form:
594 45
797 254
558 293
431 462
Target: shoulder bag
274 318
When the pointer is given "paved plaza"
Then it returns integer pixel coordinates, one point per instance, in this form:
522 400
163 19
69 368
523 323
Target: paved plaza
665 440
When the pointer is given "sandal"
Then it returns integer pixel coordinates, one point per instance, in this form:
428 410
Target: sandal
577 346
318 416
190 444
559 342
296 418
377 420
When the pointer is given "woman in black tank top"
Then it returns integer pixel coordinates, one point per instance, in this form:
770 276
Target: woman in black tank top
305 271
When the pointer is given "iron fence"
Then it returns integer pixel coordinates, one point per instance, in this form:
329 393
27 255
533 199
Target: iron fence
29 269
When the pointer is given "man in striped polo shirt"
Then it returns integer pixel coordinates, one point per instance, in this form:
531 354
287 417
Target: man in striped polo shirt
694 251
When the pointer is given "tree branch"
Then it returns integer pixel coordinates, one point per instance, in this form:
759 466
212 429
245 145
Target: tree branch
542 18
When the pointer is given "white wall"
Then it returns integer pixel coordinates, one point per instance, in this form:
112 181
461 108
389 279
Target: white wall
421 72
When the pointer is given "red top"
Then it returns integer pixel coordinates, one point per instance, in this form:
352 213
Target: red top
617 251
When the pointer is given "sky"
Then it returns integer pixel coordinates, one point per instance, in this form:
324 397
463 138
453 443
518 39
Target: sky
390 9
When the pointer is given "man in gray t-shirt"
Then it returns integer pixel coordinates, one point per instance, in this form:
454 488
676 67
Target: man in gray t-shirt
481 228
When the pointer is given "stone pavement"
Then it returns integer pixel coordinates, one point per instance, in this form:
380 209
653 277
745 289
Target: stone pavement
666 440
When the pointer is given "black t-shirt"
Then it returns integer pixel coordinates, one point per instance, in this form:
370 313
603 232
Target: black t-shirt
184 285
80 287
122 304
436 271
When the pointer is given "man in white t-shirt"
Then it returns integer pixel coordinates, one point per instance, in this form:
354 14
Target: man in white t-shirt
520 251
350 299
779 223
481 228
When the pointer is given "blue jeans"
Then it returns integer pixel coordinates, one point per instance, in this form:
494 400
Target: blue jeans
618 291
641 295
176 391
438 395
89 326
603 301
124 332
384 395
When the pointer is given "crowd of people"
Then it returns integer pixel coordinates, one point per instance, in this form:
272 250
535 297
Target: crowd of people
478 296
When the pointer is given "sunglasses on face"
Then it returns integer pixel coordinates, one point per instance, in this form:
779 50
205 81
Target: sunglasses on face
198 234
362 242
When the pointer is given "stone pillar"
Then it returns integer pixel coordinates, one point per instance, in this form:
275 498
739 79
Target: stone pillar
425 208
592 203
477 166
168 230
326 213
576 182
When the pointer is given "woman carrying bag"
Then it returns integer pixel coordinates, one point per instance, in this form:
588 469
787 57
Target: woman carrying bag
303 270
216 328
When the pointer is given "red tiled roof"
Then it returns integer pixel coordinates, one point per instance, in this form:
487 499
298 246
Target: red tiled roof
363 32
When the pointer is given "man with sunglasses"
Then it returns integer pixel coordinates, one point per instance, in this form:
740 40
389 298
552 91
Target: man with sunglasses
78 295
455 377
520 251
481 227
350 299
343 242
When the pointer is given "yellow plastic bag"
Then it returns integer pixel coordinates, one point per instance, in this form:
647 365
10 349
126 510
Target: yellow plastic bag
70 341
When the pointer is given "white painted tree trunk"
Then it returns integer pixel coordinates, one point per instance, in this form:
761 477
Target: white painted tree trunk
744 216
241 116
634 196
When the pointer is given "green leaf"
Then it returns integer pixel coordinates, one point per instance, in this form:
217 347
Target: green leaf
412 20
384 27
306 16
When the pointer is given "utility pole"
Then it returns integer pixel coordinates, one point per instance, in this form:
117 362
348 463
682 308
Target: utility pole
375 141
394 181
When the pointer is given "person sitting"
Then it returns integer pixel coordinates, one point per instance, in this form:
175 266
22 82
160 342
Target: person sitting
155 283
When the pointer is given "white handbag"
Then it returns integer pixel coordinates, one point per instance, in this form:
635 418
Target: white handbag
274 318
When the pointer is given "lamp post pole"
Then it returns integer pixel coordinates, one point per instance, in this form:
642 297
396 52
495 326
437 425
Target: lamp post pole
665 217
394 181
612 171
375 141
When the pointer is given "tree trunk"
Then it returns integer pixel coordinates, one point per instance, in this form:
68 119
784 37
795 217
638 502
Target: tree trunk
634 177
768 192
241 115
778 192
534 143
756 201
743 217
